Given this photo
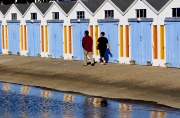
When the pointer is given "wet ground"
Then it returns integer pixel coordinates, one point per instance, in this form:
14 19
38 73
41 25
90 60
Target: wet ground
161 85
19 101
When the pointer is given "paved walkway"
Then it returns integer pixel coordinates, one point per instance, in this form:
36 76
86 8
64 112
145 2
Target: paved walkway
147 83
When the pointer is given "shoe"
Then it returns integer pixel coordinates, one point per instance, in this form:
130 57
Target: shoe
101 63
92 64
104 63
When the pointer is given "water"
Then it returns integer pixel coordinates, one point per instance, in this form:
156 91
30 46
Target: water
18 101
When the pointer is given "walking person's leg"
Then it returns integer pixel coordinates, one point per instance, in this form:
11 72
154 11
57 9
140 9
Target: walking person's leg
85 58
102 52
91 58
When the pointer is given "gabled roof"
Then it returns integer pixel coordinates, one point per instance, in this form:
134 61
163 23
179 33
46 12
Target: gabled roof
66 6
157 4
22 8
123 5
43 7
4 8
93 5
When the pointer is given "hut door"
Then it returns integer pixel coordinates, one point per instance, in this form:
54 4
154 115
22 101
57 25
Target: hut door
33 34
141 50
13 34
78 33
55 40
173 44
111 33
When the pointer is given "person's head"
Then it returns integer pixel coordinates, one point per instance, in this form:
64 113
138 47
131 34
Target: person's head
102 34
86 33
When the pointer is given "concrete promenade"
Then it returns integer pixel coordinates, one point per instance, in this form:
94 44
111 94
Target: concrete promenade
161 85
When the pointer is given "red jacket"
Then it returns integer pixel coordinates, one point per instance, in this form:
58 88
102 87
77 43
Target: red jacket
87 43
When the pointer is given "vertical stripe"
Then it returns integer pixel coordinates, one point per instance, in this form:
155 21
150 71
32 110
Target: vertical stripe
47 38
127 40
91 35
70 39
96 35
25 38
65 39
21 36
3 37
6 27
155 41
42 38
162 41
121 42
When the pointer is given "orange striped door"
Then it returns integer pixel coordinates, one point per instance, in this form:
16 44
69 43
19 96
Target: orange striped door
47 39
42 38
127 40
6 28
155 42
3 47
65 39
91 35
21 37
96 35
121 42
162 41
70 39
25 38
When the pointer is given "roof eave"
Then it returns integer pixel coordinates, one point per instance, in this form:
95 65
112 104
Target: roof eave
150 6
72 8
48 9
164 6
130 7
85 7
115 7
100 7
55 3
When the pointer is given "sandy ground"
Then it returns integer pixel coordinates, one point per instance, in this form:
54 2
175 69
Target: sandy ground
161 85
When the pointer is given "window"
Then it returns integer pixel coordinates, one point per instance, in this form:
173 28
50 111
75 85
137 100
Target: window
141 13
55 15
80 15
175 12
109 13
14 16
33 16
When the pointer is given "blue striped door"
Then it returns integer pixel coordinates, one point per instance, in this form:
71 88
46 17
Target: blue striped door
111 33
0 40
78 33
33 34
55 40
173 44
14 38
141 50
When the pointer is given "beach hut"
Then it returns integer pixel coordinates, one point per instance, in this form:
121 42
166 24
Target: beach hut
169 21
33 17
109 18
79 17
4 9
64 8
21 9
13 18
44 39
158 29
94 6
54 30
139 32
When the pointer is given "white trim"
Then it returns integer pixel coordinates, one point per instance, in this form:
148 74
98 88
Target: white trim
100 7
32 4
130 7
55 3
72 9
117 8
11 8
48 9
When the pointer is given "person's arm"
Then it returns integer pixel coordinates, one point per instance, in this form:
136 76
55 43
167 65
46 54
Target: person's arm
108 45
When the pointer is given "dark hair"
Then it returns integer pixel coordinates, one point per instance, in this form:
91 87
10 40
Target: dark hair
103 33
86 32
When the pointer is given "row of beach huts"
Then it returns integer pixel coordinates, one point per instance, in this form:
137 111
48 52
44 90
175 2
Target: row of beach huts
142 32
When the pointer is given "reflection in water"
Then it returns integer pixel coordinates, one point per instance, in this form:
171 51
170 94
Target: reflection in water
29 102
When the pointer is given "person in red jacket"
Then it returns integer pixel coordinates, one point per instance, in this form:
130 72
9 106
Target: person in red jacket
87 44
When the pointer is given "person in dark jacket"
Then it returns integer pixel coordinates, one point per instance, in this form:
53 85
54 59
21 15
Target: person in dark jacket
87 44
102 46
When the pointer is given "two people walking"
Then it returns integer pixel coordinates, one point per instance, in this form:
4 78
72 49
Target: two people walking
87 44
